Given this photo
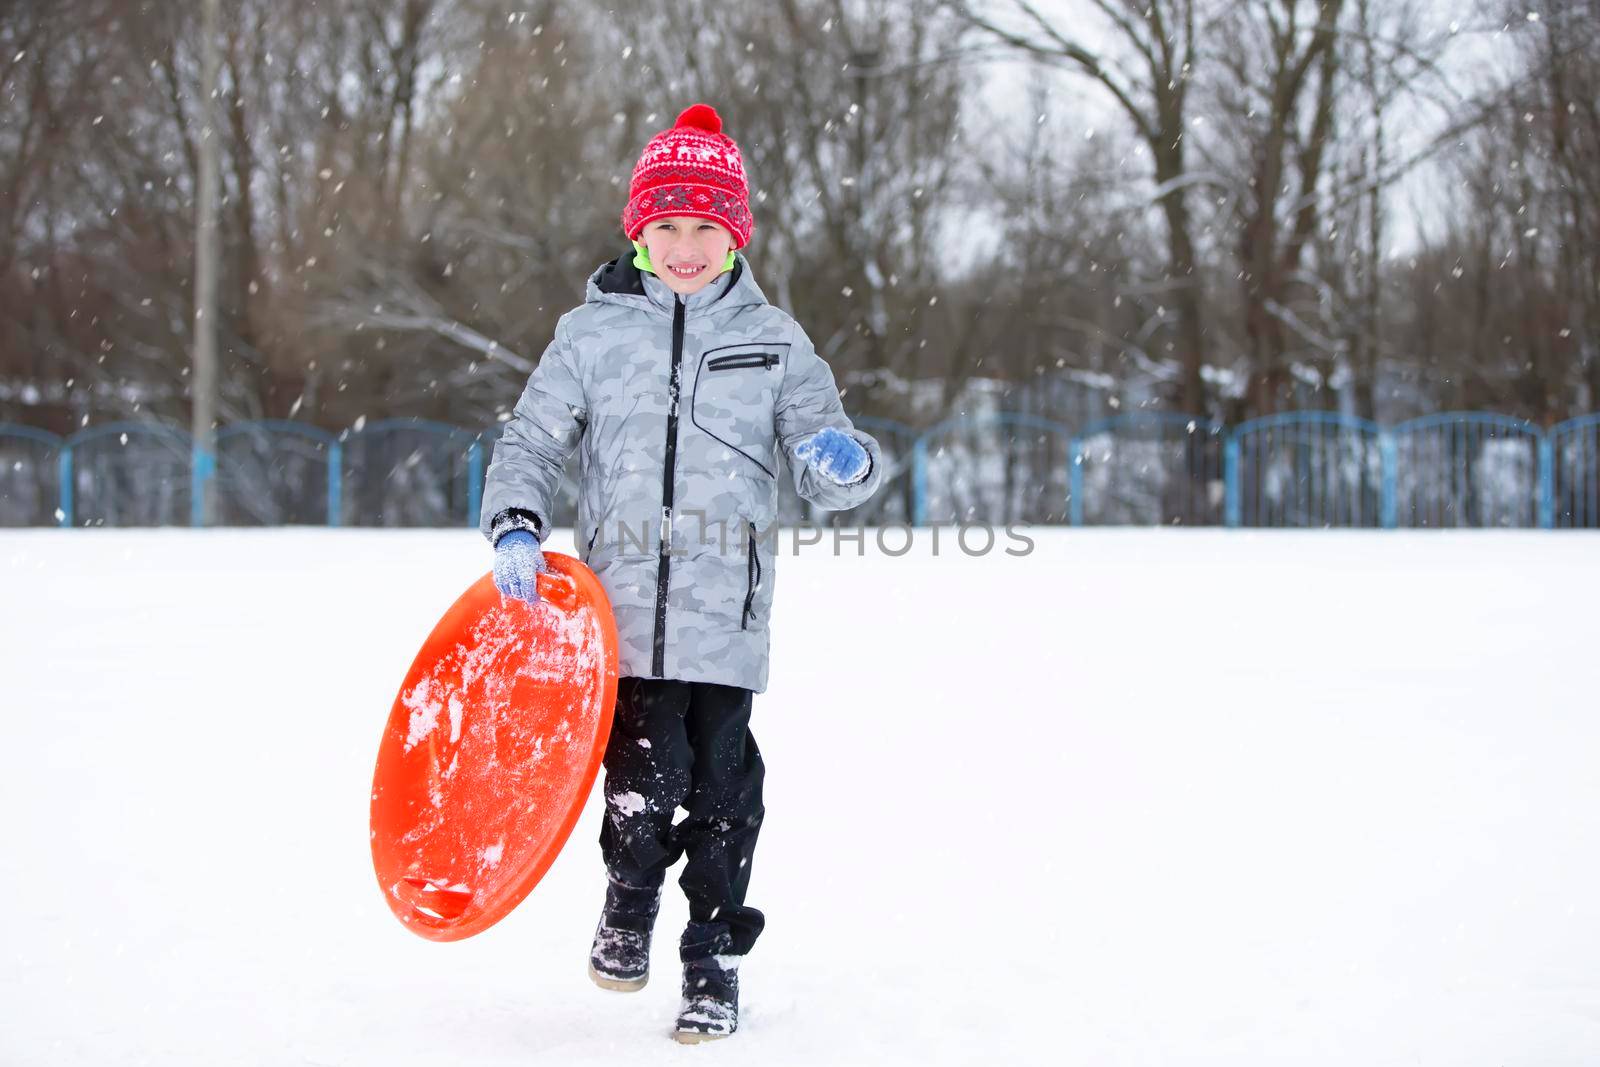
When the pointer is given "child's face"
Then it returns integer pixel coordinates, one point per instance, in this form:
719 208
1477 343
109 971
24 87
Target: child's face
687 252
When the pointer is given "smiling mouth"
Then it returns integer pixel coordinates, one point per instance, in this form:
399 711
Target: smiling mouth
686 272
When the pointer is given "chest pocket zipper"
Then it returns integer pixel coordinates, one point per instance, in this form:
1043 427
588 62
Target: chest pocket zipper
747 359
752 580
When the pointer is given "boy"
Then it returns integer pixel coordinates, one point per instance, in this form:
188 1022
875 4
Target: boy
678 383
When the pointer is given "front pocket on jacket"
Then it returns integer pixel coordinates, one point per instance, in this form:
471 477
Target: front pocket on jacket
752 580
735 390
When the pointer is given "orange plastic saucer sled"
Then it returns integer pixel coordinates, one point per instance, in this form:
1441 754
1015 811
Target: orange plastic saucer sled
491 749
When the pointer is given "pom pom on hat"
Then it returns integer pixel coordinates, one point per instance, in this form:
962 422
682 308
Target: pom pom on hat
692 169
700 117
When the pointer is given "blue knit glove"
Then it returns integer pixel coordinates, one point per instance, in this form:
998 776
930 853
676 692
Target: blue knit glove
518 562
835 455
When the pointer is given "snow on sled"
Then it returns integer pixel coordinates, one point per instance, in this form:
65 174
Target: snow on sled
491 749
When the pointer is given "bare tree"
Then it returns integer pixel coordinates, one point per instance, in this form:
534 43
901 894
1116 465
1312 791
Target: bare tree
1162 38
1277 103
1563 47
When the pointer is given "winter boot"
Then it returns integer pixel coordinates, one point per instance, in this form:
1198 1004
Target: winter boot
620 956
710 988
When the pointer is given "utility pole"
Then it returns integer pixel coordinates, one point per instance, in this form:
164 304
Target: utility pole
203 429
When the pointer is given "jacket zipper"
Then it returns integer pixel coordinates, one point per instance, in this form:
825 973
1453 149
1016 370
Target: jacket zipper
752 580
749 359
658 666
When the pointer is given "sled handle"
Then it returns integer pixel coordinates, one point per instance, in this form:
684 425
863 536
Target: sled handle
558 590
430 902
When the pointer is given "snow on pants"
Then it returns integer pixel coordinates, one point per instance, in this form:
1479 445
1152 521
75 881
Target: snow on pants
686 744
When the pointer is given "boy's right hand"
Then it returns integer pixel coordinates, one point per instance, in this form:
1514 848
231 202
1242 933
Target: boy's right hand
518 562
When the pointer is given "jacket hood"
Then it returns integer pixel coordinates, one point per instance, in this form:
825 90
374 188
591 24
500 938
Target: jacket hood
621 282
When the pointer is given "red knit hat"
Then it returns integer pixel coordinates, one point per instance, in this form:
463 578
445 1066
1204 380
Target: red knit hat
692 169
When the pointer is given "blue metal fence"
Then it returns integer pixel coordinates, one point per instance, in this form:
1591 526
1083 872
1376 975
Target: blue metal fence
130 474
1149 469
274 473
30 479
1297 469
1305 468
412 472
1470 469
1570 485
968 471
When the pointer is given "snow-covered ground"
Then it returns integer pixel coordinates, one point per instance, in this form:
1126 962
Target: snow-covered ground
1137 798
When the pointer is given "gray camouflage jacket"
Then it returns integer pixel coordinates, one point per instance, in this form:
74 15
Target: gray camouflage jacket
679 407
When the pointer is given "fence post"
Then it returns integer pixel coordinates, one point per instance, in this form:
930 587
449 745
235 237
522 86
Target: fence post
919 482
474 482
1389 507
64 488
335 483
202 465
1547 489
1075 480
1232 511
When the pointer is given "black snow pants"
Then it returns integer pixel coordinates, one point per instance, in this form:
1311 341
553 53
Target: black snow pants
688 744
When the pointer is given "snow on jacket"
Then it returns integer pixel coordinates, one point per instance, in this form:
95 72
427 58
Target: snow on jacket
678 407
